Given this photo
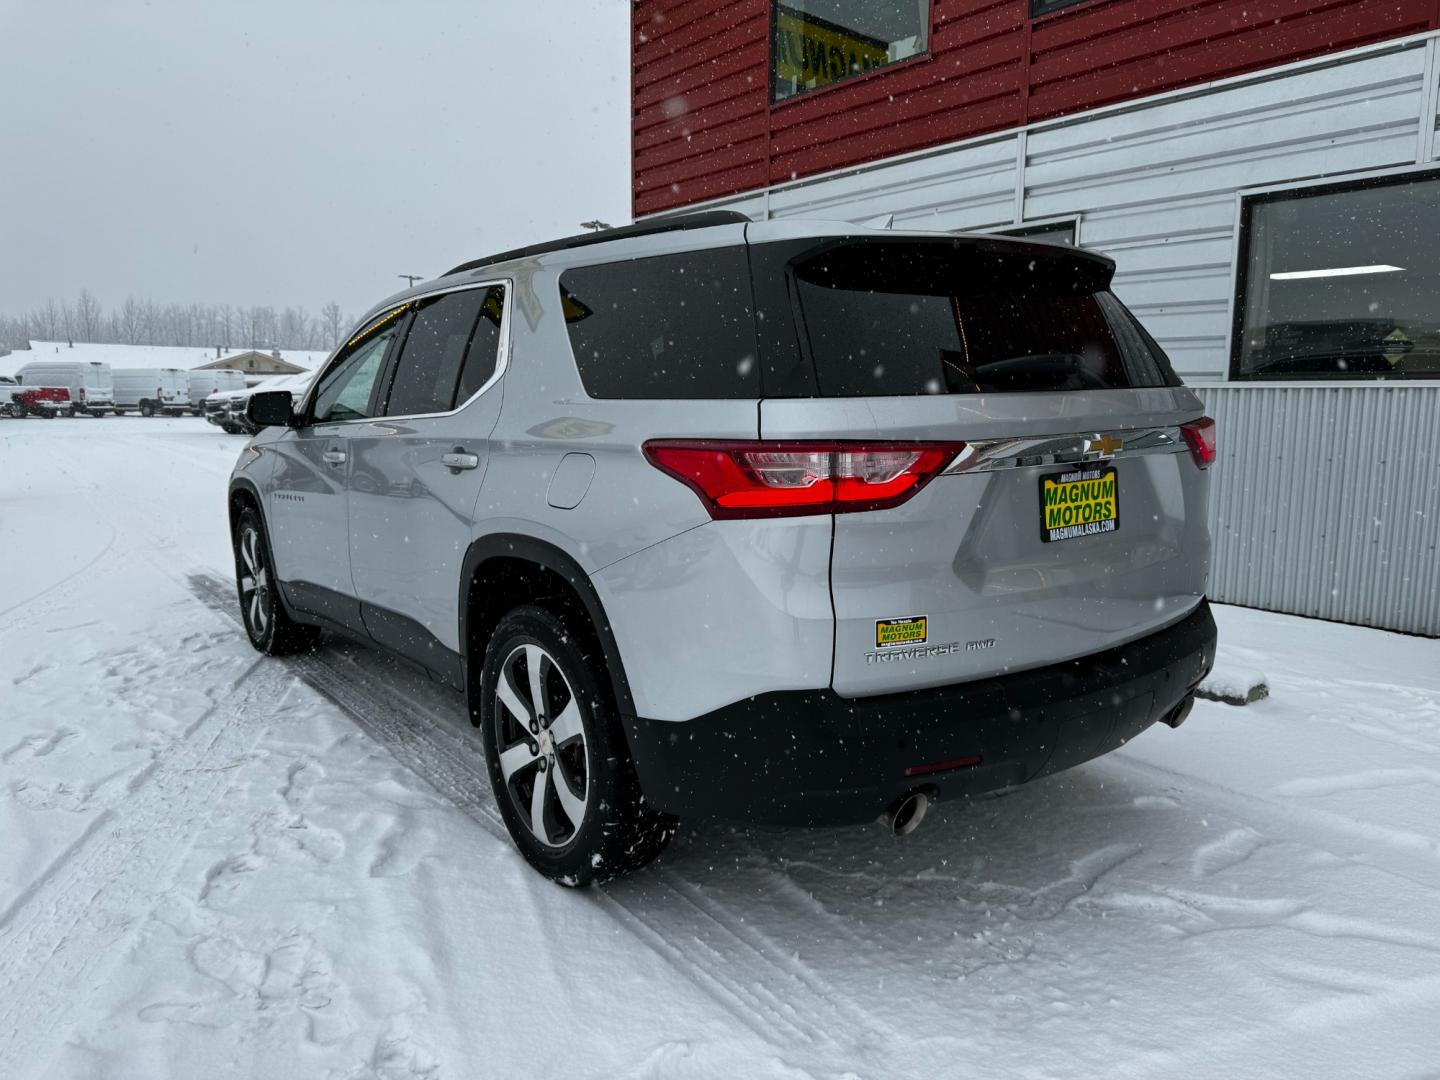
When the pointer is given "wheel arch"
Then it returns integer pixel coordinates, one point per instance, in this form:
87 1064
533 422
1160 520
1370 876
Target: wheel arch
244 493
502 550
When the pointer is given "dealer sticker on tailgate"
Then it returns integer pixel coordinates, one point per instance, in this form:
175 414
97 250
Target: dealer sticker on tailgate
1081 503
893 632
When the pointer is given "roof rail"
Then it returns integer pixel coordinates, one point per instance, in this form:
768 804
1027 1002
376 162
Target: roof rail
705 219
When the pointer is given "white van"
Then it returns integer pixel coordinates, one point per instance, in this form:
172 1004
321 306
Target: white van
207 381
92 391
151 390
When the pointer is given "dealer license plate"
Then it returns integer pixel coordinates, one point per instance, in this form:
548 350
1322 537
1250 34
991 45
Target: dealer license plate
1084 502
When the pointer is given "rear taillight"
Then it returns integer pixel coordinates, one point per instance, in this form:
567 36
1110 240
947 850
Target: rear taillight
1200 437
82 393
755 479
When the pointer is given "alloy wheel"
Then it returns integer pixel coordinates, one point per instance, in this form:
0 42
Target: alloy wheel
254 583
540 736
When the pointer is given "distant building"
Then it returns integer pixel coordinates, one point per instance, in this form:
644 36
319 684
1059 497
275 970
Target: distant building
255 363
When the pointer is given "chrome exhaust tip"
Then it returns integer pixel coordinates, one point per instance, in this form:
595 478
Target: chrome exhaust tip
1177 715
905 814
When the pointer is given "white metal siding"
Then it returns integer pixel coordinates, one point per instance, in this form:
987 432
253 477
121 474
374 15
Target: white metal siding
1326 502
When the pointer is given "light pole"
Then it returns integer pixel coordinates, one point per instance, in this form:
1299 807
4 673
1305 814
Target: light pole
410 279
597 225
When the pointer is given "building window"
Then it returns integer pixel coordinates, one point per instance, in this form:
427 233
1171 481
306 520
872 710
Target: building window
1044 7
1051 232
1339 282
818 43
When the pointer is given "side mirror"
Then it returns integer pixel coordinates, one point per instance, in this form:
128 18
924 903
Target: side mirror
270 408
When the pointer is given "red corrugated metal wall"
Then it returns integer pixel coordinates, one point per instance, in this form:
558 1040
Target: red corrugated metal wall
703 124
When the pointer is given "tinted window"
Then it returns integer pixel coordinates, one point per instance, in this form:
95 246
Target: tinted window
345 390
673 326
429 365
484 351
901 318
1340 282
821 42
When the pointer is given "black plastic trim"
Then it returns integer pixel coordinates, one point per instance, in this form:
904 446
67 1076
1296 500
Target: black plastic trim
519 546
408 638
705 219
811 757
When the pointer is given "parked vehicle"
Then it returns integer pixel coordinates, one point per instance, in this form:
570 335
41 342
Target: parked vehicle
787 522
150 391
89 384
206 381
227 411
22 401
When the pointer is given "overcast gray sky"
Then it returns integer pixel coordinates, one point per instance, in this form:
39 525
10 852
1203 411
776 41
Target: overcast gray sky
298 151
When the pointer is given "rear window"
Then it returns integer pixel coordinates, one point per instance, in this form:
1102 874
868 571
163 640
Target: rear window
670 326
887 318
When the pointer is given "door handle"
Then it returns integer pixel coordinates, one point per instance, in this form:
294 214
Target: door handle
458 459
335 457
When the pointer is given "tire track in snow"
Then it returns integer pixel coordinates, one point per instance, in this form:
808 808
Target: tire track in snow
777 997
55 942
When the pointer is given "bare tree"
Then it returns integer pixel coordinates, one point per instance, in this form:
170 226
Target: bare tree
87 316
333 322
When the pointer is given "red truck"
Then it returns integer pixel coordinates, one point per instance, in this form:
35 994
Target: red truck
22 401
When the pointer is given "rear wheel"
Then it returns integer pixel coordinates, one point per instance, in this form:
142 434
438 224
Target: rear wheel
146 409
119 412
269 628
558 762
19 411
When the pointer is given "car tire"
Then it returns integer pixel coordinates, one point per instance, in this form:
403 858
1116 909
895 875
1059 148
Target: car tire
19 411
146 409
575 749
119 412
267 625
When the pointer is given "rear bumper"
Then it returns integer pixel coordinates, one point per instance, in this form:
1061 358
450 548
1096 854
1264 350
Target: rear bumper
814 758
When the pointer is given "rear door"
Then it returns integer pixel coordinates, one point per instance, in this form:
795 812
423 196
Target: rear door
1072 516
307 505
416 471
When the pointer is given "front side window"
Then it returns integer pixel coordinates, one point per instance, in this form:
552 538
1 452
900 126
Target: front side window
1339 282
821 42
346 389
886 318
441 337
671 326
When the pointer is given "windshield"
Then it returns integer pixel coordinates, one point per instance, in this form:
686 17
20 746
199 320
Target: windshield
886 318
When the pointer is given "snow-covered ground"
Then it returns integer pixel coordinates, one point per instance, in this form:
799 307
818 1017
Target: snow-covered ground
221 866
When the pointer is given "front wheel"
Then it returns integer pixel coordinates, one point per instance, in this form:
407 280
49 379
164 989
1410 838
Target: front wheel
146 409
558 762
268 626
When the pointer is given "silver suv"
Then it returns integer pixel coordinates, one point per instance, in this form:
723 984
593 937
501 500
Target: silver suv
796 523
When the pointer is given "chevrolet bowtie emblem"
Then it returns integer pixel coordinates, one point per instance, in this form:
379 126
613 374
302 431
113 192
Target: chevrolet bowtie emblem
1103 445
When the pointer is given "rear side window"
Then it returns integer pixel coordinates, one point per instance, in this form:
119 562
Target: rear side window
670 326
887 318
430 363
484 354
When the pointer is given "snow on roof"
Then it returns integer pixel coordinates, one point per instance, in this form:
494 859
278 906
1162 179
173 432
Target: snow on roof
139 356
